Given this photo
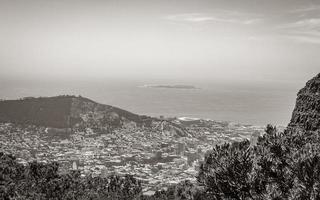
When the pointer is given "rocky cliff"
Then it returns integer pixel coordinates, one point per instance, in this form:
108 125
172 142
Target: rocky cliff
306 114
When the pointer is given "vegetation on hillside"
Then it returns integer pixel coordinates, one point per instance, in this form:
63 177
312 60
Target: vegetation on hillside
38 181
283 165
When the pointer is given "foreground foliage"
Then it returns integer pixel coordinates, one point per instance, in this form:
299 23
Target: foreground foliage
42 181
282 165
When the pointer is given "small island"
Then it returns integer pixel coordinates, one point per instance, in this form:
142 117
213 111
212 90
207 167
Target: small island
189 87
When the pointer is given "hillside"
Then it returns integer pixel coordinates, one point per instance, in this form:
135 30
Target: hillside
64 112
306 114
78 113
52 111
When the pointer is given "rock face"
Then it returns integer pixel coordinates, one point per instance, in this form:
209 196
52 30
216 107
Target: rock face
306 114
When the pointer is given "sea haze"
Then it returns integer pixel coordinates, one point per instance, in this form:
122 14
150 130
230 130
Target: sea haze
243 102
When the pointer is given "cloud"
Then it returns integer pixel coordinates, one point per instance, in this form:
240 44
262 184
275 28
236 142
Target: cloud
310 23
304 30
190 17
310 8
304 38
307 36
252 21
226 17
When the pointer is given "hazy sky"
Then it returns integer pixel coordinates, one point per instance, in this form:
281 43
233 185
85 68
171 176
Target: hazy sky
178 39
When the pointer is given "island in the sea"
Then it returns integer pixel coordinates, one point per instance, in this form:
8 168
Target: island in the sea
170 86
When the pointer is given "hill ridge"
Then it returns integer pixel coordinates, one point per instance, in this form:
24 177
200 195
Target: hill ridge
76 112
55 111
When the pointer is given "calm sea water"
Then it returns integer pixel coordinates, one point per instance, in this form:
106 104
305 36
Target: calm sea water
257 104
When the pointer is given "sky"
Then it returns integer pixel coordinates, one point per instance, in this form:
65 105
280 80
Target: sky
229 40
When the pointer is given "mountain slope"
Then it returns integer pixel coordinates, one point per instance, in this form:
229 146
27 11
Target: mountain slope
52 111
77 112
63 112
306 114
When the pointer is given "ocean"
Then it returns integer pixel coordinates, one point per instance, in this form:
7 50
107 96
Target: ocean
242 102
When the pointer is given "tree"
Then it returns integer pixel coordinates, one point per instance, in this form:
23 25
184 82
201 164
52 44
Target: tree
226 171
